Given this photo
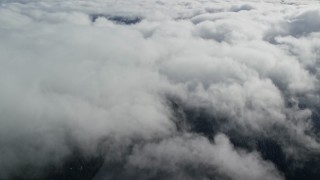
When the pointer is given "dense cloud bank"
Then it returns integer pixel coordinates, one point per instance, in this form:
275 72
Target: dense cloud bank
183 89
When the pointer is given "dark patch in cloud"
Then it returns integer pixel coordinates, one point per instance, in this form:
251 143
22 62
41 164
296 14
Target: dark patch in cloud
77 165
201 122
127 20
243 7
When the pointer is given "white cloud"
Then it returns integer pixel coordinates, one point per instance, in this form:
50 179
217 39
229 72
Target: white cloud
67 80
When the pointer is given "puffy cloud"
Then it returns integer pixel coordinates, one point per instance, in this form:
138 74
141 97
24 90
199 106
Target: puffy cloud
201 158
127 82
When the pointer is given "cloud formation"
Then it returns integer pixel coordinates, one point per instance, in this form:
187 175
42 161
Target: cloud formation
163 89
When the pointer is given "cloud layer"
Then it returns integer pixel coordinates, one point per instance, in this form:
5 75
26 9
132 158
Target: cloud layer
159 89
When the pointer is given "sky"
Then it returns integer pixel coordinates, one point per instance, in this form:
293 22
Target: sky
160 89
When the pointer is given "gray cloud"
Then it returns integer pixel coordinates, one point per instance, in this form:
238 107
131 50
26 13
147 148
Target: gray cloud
189 156
160 89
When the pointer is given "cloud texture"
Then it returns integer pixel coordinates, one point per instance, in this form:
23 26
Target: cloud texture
162 89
